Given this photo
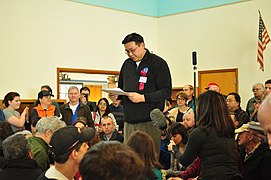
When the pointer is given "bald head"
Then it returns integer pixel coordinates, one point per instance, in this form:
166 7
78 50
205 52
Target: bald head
264 116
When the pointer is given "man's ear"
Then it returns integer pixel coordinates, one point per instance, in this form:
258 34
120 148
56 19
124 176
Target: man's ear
250 137
48 133
74 154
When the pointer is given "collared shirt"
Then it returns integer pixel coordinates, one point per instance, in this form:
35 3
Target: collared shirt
53 173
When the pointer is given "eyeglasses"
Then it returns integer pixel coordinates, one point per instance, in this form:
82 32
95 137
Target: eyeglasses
128 51
256 89
85 94
103 104
180 99
230 100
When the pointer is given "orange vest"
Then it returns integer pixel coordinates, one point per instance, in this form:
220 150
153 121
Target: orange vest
50 112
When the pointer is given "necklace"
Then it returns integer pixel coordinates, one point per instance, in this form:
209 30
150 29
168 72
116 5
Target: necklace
248 154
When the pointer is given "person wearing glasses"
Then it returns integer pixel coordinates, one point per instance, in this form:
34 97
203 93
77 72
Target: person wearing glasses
258 92
146 78
182 108
233 101
103 110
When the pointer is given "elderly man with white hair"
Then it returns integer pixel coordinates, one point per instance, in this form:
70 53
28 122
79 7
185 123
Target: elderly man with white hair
258 92
46 126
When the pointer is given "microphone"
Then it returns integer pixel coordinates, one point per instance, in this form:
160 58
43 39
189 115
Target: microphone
158 119
194 58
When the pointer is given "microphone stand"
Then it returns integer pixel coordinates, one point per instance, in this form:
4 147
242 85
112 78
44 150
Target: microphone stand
195 92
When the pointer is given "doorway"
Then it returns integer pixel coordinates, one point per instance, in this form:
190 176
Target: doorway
227 79
95 93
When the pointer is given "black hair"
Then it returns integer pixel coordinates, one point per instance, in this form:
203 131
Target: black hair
213 113
268 81
137 38
178 128
47 87
9 97
107 111
84 88
236 97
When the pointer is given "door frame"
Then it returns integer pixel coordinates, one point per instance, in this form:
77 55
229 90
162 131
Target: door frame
200 73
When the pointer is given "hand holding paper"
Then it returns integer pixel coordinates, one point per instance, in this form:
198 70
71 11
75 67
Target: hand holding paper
135 97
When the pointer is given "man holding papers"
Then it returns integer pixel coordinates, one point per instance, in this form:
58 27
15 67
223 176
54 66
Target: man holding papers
145 77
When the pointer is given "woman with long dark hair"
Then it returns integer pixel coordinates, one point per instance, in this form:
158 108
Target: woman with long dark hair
143 144
213 139
179 136
102 110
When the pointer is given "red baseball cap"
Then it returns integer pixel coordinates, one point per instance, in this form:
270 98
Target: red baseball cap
211 84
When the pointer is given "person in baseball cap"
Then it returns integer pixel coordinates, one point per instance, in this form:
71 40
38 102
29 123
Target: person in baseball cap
254 153
44 93
213 87
68 144
243 128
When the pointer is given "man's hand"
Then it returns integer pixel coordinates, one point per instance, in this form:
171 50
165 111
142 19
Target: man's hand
170 145
136 98
83 99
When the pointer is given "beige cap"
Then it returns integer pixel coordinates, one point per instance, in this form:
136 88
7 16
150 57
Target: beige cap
243 128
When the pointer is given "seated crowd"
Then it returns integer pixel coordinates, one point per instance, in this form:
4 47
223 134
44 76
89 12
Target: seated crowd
211 137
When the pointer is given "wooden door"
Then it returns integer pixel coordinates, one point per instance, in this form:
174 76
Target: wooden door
95 92
227 79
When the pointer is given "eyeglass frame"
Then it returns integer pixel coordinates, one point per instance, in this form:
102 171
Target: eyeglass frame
128 51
